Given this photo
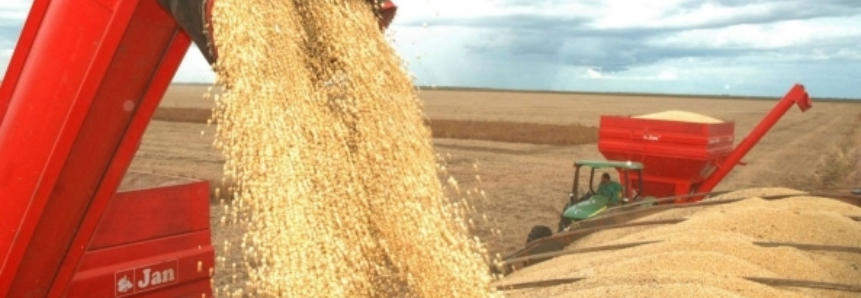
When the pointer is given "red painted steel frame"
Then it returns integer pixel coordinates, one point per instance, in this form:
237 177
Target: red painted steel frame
74 117
796 96
677 155
150 226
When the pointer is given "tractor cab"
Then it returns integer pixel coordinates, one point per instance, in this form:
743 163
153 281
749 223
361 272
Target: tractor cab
626 170
602 192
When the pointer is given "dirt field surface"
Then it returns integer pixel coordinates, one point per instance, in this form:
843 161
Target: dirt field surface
527 184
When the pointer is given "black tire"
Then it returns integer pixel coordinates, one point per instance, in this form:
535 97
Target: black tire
538 232
564 222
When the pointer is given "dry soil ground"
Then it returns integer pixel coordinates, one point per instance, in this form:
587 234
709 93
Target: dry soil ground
527 184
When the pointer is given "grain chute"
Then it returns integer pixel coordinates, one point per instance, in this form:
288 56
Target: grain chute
83 84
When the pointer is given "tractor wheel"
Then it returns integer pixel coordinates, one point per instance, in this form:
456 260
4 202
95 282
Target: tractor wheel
538 232
564 223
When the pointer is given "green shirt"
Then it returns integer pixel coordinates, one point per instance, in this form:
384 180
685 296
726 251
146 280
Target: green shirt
611 190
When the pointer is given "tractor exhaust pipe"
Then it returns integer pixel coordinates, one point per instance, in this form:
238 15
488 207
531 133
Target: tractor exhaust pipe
195 16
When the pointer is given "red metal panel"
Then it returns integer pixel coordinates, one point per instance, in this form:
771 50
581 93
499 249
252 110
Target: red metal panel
120 271
170 213
197 289
667 138
35 135
146 214
151 15
107 70
676 155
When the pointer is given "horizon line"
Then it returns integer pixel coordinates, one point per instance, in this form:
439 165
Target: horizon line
604 93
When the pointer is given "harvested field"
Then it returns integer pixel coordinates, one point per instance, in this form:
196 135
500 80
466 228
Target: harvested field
527 184
499 131
184 115
515 132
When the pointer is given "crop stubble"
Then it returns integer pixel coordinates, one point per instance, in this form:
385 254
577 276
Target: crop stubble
499 131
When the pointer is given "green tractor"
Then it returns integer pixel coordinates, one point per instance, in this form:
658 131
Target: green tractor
597 201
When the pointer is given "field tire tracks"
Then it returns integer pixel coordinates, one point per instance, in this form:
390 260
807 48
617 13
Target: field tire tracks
803 151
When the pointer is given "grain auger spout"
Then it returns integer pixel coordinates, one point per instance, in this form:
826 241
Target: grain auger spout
796 96
195 16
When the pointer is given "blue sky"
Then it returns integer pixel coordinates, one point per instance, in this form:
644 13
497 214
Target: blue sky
738 47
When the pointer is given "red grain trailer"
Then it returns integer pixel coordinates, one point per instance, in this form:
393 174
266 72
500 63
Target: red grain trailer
682 158
676 155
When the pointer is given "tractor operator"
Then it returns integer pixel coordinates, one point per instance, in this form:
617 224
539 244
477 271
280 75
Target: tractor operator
611 189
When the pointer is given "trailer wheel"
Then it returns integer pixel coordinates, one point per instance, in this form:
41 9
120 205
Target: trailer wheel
538 232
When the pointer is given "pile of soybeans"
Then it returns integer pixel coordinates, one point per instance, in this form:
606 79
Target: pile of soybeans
709 254
680 116
335 179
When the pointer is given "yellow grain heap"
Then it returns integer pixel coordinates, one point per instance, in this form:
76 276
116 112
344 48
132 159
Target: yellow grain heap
680 116
709 254
336 178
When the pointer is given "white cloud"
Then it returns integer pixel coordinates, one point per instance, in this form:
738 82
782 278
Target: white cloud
664 75
615 14
694 46
654 15
593 74
436 54
667 75
194 68
5 56
409 11
770 36
15 10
